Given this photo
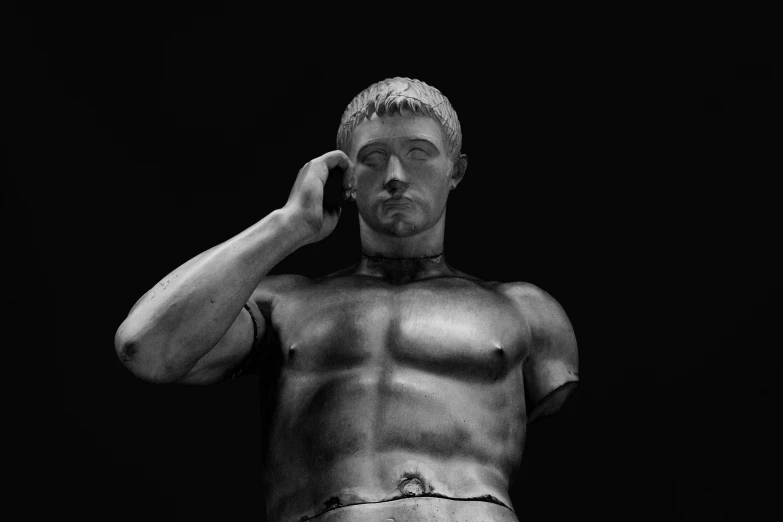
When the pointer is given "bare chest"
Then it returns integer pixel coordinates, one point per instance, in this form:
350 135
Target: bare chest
445 326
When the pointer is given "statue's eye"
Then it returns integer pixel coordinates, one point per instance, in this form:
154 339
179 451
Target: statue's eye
374 158
419 153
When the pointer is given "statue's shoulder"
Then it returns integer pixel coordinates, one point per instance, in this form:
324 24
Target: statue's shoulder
535 304
521 290
273 286
279 285
513 290
459 274
344 272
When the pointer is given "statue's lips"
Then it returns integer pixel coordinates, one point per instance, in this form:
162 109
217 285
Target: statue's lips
397 202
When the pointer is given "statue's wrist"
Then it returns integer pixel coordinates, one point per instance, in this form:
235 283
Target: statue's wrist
294 226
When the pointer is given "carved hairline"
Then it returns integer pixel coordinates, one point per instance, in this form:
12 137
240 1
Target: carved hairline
346 121
387 94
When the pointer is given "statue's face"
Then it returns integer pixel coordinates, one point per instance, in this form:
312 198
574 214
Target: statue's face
402 173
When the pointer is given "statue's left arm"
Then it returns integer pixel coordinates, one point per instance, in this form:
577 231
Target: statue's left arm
551 367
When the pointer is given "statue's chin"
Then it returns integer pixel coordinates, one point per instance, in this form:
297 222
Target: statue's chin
400 228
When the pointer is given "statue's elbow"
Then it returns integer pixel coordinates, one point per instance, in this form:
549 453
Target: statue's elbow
141 361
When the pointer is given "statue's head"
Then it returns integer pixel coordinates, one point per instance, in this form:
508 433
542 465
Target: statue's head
401 96
404 141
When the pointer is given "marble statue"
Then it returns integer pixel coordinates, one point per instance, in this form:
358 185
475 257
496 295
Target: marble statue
405 386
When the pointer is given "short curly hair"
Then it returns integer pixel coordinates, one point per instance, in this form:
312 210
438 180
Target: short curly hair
394 95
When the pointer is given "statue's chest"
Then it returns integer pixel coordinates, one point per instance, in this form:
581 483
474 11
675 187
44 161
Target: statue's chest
444 327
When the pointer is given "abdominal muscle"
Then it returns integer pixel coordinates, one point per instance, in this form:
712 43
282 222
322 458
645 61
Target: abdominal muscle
367 443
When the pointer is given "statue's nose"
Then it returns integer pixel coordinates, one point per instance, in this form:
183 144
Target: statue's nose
395 185
396 178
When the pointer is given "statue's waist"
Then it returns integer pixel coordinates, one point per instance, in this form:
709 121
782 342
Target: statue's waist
380 478
416 509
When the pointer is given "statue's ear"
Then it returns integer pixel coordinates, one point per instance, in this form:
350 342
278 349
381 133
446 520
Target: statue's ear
458 172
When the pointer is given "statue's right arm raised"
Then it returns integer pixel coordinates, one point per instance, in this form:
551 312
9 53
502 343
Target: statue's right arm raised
192 326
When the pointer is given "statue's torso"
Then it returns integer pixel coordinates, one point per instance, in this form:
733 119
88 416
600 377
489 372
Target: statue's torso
392 391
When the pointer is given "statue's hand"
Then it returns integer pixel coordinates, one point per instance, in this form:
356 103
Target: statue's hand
313 203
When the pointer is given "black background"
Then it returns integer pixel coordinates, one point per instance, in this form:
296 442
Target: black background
627 175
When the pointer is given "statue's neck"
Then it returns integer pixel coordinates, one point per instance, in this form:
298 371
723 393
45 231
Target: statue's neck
403 269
